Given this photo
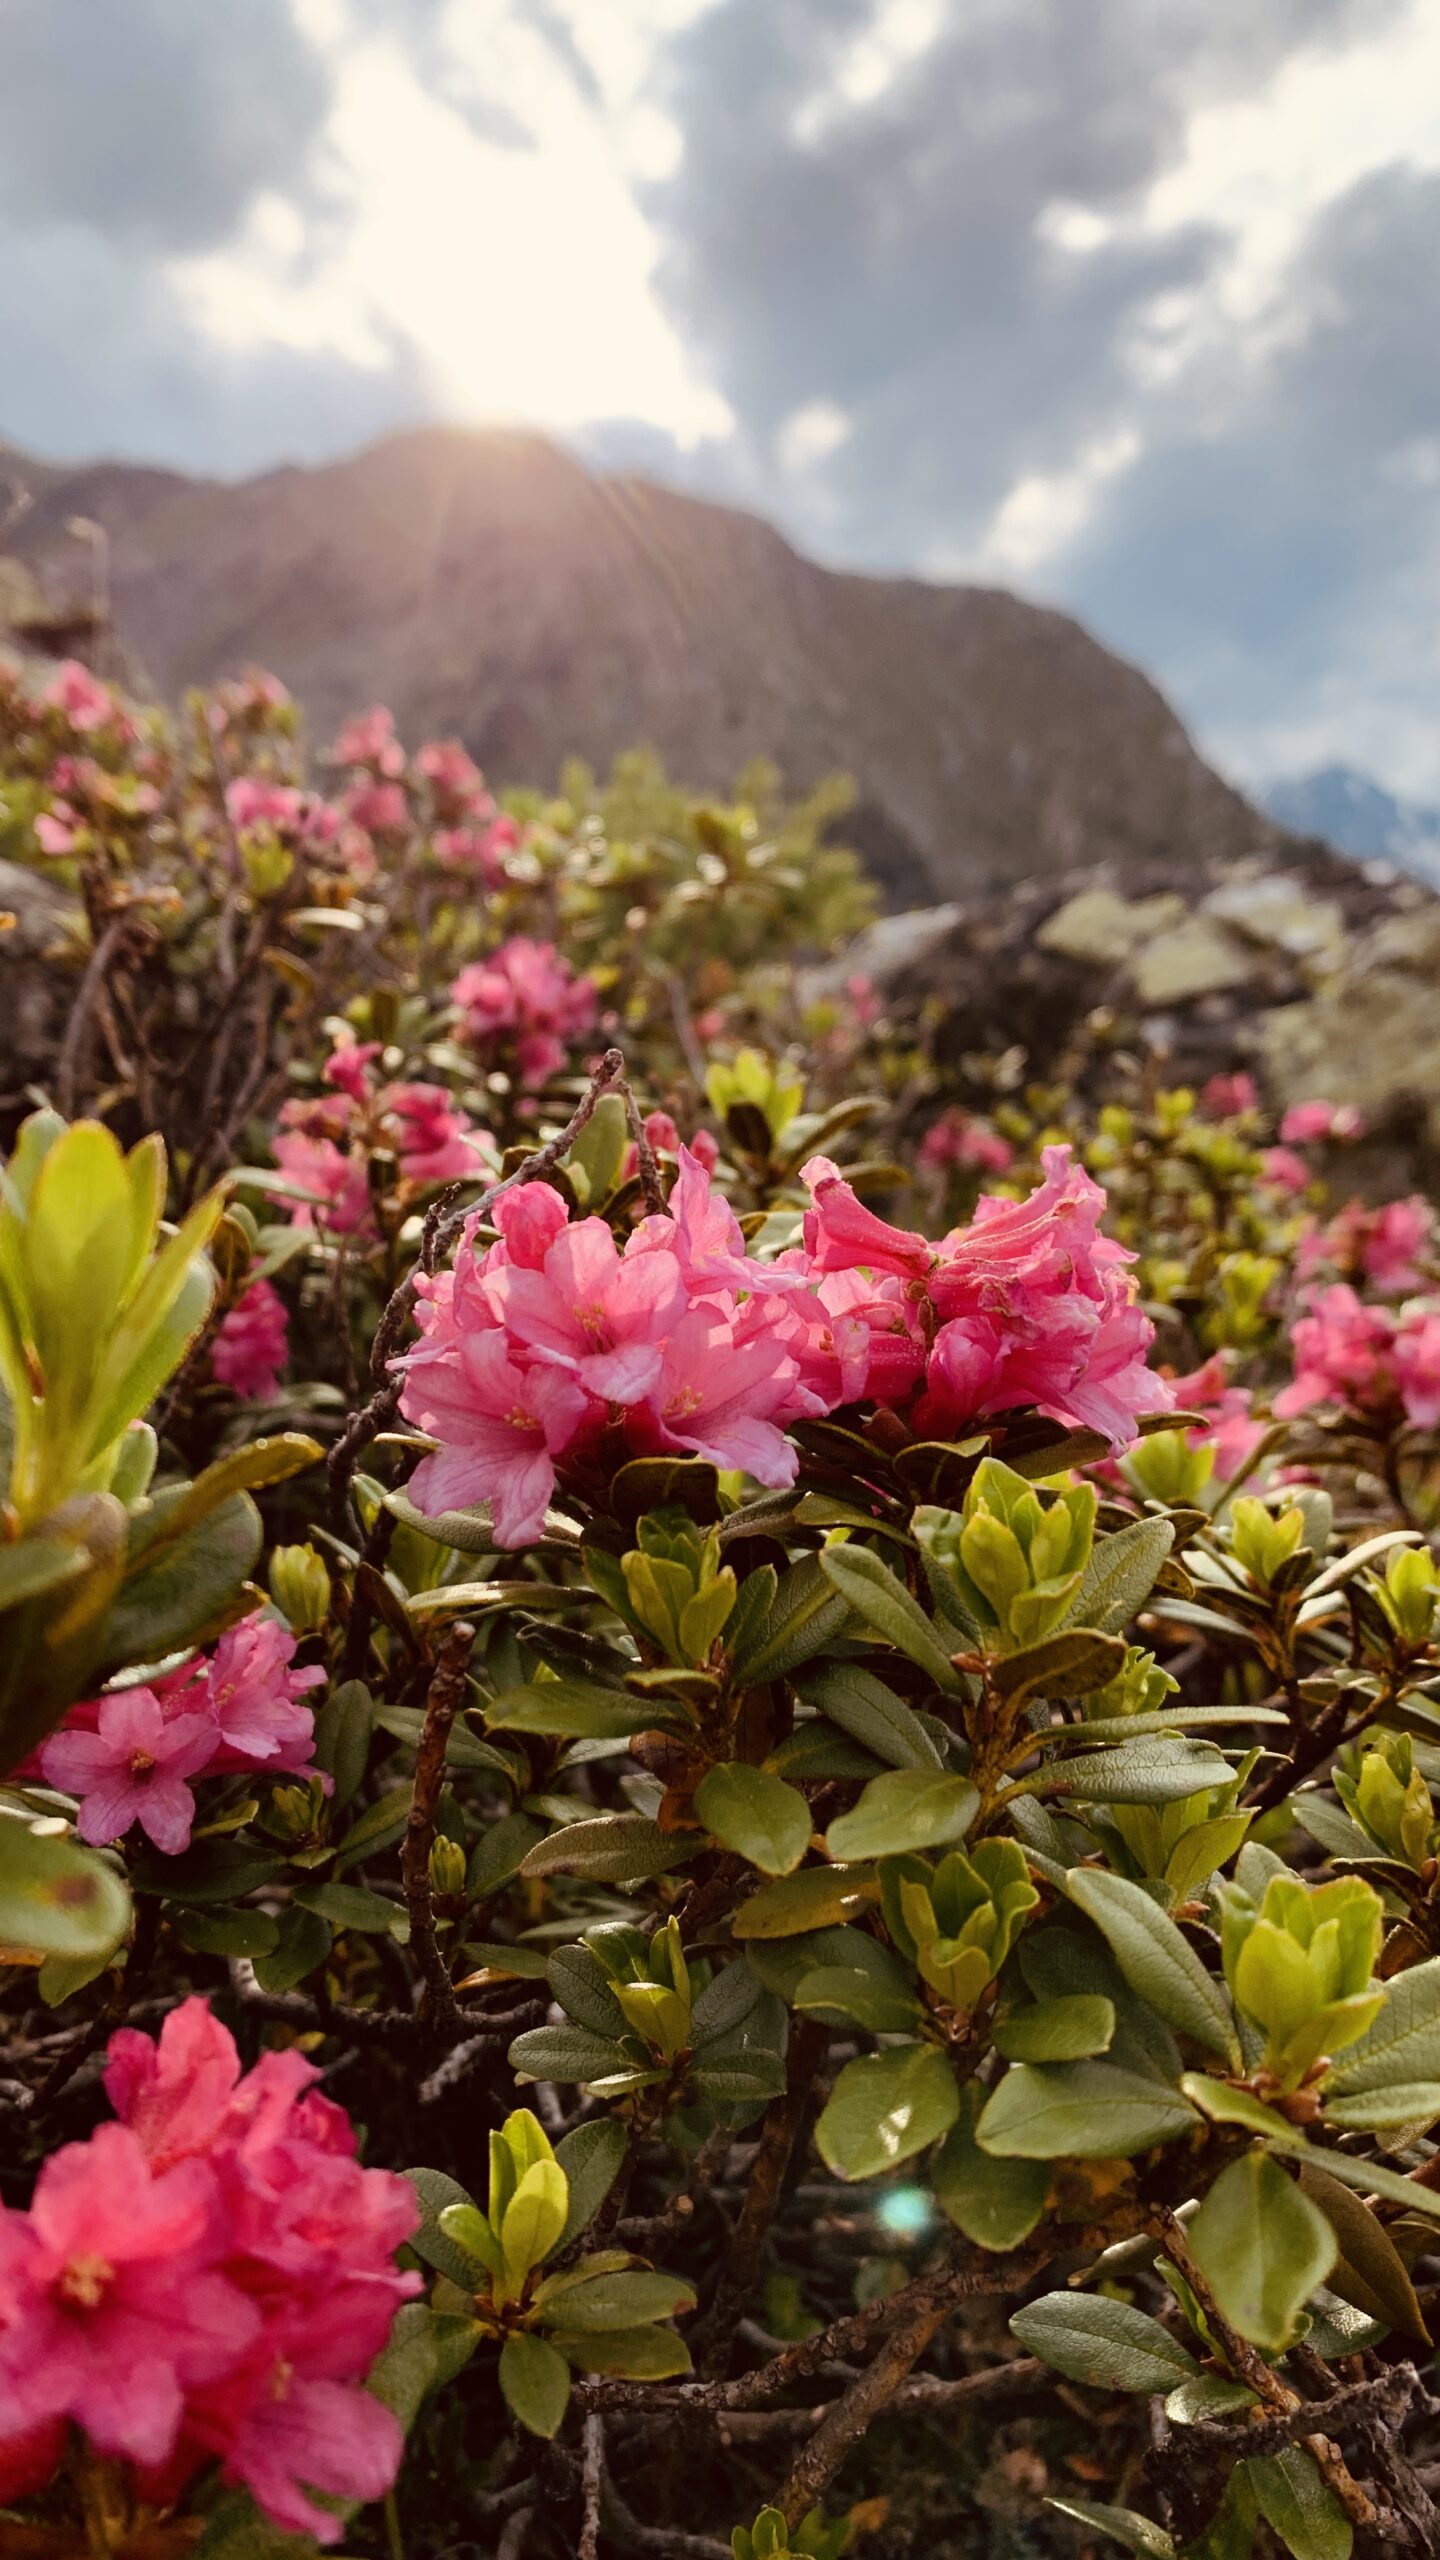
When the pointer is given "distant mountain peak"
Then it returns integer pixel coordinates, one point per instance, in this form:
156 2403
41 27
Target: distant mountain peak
1358 816
488 584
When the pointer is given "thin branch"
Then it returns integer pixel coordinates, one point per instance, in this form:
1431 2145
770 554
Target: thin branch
445 1699
779 2134
592 2473
852 2414
72 1048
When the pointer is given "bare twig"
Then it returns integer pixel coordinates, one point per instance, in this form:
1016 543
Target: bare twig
779 2133
446 1697
592 2473
72 1048
852 2414
651 1186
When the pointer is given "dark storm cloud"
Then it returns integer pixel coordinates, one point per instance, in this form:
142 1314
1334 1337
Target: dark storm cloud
1301 535
889 257
154 122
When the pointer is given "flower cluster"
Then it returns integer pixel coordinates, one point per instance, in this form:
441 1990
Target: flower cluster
527 1001
553 1336
1028 1305
131 1756
959 1137
1389 1247
250 1345
1381 1362
324 1143
208 2279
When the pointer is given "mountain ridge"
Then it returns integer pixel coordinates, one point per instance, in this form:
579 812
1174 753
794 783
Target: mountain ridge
1356 814
487 584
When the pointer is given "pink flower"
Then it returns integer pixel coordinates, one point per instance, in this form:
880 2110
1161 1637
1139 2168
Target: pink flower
1388 1245
959 1138
1305 1122
601 1315
841 1234
500 1426
1283 1169
1417 1365
348 1066
380 808
57 827
722 1391
1343 1355
1231 1428
86 703
370 740
700 1230
256 1699
111 2305
528 997
341 1194
453 775
253 801
133 1767
431 1138
1225 1097
251 1346
175 2094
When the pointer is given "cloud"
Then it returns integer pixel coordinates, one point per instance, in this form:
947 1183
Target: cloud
155 123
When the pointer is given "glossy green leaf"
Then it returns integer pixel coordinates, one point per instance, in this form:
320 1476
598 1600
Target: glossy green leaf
1299 2506
1109 2345
1064 2030
1262 2247
871 1715
1156 1960
1093 2110
614 1848
756 1815
884 2108
536 2383
58 1898
996 2203
880 1600
906 1809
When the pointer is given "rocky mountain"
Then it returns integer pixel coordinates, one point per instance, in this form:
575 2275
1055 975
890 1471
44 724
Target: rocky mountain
1360 818
489 586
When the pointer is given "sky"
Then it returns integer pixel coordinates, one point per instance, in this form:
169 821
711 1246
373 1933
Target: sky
1132 305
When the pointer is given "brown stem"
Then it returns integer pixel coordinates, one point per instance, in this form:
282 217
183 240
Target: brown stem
852 2413
779 2133
651 1186
1249 2366
72 1049
592 2472
446 1697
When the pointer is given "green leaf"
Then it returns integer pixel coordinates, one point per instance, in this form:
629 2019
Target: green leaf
996 2203
1414 2102
590 2155
905 1810
756 1815
34 1565
839 1992
565 2053
881 1601
1060 1666
243 1470
805 1613
814 1899
1371 2179
439 2194
353 1906
871 1714
1081 2111
1157 1961
1158 1769
343 1730
1065 2030
1404 2042
498 1854
614 1848
1108 2345
1122 2524
58 1898
179 1582
1208 2396
627 2301
221 1932
884 2108
1299 2506
1226 2105
536 2383
643 2355
580 1709
533 2219
1369 2272
302 1942
1262 2247
1120 1576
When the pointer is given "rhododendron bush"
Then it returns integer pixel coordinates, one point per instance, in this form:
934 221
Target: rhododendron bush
716 1745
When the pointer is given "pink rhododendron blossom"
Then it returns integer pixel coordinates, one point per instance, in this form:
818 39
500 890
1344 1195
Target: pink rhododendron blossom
257 1699
1283 1169
1306 1122
111 2301
1225 1097
1380 1363
337 1181
1231 1427
500 1426
841 1234
958 1137
527 998
86 703
134 1767
57 827
380 808
433 1140
452 773
588 1309
1388 1246
207 2279
1417 1365
250 1346
478 849
370 739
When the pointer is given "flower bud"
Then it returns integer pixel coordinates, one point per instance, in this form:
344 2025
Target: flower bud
1383 1791
300 1588
447 1869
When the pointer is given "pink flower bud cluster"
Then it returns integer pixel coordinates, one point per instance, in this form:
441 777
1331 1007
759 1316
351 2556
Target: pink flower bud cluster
1225 1097
554 1347
960 1138
133 1754
1381 1362
206 2280
251 1344
526 1002
1390 1247
323 1144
